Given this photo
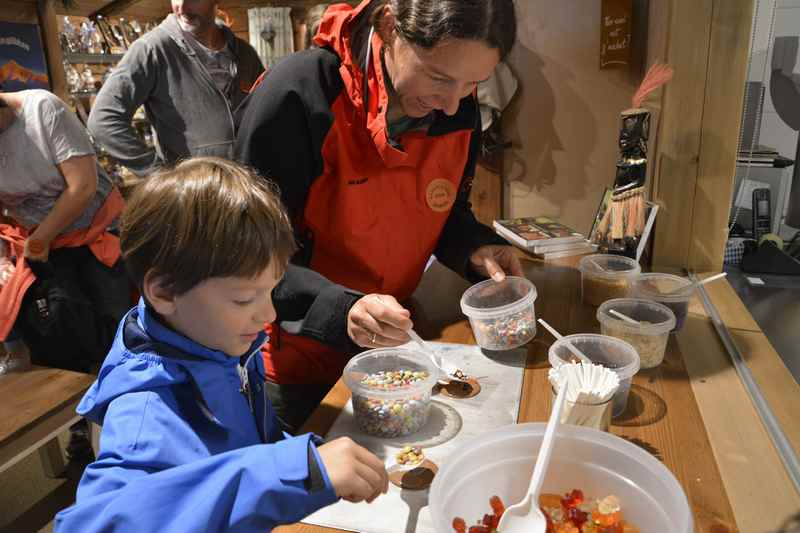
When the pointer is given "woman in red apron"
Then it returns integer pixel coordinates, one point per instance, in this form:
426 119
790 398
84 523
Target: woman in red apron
372 137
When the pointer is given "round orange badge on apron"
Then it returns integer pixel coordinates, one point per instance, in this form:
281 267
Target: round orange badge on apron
441 195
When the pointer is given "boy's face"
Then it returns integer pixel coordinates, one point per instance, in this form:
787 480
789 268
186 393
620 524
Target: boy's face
223 314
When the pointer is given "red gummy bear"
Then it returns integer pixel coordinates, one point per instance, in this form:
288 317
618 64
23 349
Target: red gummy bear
577 517
573 499
497 505
459 525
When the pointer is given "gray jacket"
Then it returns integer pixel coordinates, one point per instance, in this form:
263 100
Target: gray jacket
189 114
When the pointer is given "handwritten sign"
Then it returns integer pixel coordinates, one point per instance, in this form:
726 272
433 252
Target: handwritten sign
615 33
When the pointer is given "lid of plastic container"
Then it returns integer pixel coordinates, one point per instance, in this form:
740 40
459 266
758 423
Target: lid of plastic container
610 352
658 317
389 359
664 287
609 266
489 299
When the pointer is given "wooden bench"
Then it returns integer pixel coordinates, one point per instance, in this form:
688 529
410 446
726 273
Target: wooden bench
35 406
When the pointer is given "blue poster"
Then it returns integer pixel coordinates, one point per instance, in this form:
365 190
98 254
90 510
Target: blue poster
22 61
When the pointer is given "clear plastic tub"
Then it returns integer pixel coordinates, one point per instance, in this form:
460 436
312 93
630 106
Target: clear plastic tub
672 291
502 315
390 407
605 276
609 352
501 461
648 338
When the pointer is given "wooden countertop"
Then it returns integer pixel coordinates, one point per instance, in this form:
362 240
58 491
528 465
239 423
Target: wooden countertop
691 412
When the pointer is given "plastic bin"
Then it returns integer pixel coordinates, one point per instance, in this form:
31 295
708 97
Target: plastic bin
392 408
605 276
672 291
649 338
501 461
502 315
609 352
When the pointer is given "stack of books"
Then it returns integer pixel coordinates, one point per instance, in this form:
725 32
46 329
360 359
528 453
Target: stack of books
543 237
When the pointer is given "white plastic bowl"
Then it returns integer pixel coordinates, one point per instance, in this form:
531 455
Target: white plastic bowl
501 461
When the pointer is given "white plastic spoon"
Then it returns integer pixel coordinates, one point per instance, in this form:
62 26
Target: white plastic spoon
696 284
625 318
446 369
576 352
525 516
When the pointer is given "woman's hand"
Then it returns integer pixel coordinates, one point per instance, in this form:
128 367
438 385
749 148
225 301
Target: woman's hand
377 320
37 249
494 261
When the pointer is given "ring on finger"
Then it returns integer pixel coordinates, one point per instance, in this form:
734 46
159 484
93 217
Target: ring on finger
374 336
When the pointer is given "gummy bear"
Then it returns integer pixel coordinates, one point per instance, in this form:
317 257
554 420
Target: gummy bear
576 516
459 525
573 499
497 505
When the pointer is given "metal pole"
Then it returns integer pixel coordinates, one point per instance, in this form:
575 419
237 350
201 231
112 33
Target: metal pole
771 424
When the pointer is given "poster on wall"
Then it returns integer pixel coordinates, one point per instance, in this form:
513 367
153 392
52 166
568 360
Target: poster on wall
22 60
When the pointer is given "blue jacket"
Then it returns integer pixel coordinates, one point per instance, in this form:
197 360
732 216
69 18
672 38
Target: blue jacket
189 442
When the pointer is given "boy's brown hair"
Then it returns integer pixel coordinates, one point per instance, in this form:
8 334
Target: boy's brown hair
207 217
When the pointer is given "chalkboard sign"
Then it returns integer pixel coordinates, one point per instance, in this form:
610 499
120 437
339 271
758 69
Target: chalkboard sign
615 33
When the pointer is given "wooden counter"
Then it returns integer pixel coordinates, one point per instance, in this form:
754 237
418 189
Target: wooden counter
691 412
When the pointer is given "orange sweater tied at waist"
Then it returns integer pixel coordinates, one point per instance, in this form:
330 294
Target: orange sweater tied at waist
104 246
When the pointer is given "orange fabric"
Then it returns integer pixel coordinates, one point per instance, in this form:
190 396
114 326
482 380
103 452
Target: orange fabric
296 359
103 245
373 227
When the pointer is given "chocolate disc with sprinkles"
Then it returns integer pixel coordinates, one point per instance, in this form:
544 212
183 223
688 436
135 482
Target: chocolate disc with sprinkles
419 478
460 389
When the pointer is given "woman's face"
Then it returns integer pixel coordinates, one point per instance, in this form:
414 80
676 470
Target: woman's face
437 78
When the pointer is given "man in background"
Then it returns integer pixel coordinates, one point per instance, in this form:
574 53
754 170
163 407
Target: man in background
190 73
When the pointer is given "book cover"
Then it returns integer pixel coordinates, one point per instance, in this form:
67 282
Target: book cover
582 248
545 247
532 231
598 237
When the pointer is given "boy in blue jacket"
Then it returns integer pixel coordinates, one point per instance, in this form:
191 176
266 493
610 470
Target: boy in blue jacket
189 440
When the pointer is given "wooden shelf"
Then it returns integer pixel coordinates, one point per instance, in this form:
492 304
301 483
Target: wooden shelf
103 59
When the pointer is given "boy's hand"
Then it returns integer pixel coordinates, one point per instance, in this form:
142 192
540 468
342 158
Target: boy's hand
356 474
377 320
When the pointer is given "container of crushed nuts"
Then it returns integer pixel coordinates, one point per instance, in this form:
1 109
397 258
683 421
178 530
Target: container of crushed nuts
672 291
502 315
391 390
649 337
605 276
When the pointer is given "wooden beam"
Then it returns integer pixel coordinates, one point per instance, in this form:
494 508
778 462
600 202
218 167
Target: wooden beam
707 44
731 26
112 8
678 152
48 22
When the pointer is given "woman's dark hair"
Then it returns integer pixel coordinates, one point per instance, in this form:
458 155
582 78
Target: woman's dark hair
426 23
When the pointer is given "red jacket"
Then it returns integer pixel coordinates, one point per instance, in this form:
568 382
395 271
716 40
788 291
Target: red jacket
369 211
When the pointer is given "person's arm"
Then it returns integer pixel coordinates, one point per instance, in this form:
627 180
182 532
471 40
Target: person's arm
135 486
462 234
128 87
282 127
80 175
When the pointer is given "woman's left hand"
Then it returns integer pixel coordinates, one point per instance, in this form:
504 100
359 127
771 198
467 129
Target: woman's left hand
495 261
